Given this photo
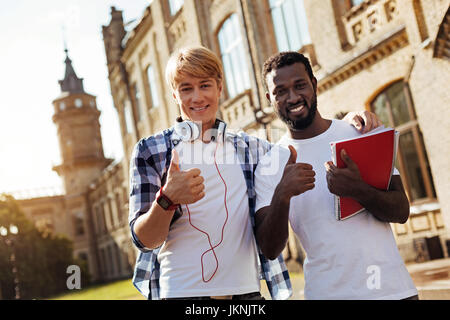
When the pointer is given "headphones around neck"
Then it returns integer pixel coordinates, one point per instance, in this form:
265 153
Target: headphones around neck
188 130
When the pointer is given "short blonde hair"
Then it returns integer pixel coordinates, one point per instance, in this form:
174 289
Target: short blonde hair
198 62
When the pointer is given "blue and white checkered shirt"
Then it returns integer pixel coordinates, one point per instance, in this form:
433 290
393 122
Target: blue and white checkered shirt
149 163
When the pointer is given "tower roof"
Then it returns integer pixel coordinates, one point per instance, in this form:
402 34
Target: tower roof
71 83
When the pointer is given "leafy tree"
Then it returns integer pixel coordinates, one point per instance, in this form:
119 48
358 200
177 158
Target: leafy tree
41 259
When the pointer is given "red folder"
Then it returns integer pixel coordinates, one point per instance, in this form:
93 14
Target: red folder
374 153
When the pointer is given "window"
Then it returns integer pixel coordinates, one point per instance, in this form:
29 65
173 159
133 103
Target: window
233 57
290 24
62 106
111 266
137 100
152 86
128 116
101 223
120 214
78 223
78 103
395 109
83 256
175 6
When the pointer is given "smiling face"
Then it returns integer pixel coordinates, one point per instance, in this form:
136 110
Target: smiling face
292 93
198 99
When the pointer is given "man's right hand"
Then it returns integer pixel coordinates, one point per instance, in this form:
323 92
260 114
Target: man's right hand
297 177
183 187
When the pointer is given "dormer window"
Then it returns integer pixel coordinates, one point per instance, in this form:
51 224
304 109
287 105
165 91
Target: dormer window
62 106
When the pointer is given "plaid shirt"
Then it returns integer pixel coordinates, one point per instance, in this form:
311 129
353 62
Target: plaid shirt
149 163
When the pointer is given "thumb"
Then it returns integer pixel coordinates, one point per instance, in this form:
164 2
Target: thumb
347 160
293 156
174 163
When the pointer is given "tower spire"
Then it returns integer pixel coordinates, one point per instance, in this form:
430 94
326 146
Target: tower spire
71 83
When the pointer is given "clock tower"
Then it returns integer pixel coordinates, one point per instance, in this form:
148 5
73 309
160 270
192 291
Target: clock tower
77 120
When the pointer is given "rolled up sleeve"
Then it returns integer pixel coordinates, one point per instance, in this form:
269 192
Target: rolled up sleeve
144 184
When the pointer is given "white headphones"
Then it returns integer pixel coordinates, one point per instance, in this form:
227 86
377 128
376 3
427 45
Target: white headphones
187 130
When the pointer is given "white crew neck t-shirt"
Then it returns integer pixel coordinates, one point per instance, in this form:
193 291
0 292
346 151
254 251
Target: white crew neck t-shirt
182 269
355 258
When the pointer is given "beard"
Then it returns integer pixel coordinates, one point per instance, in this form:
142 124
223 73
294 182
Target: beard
302 123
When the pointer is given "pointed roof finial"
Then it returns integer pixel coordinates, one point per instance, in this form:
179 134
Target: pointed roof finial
71 83
63 32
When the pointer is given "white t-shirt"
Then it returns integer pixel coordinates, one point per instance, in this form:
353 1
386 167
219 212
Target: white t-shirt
182 271
355 258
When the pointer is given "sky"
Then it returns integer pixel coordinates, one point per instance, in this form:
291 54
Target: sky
31 63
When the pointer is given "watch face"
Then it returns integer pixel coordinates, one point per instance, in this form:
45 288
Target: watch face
163 203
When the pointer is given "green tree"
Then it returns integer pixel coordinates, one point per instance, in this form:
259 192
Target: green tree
41 259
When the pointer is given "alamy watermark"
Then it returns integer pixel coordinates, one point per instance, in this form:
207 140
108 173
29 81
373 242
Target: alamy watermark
374 280
74 280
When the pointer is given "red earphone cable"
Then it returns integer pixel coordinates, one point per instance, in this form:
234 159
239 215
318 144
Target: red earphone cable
207 235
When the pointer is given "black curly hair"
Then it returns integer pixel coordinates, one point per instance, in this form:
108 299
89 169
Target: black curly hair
283 59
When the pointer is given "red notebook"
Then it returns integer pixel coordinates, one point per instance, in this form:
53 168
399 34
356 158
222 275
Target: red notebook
374 153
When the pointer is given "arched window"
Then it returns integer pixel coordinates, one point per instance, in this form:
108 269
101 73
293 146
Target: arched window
234 57
290 24
395 108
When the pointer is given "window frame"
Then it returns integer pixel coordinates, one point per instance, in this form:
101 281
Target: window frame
243 68
152 88
137 101
128 116
409 126
302 41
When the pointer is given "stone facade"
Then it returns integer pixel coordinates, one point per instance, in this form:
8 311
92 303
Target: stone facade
357 53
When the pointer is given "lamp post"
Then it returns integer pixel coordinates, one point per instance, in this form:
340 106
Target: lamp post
13 231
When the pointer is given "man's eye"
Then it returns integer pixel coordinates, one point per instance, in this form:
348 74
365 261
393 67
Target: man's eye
205 85
185 89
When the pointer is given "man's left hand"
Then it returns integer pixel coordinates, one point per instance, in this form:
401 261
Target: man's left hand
344 182
364 121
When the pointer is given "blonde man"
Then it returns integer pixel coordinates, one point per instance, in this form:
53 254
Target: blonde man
192 200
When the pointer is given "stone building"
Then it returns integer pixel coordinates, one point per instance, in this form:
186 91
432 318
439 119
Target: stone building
387 56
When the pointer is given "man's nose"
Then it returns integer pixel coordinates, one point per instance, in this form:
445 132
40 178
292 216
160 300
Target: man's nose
293 97
197 95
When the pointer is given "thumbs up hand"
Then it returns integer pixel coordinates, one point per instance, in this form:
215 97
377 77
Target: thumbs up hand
183 187
297 177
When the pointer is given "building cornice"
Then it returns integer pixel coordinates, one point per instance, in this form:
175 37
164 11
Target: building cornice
372 54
